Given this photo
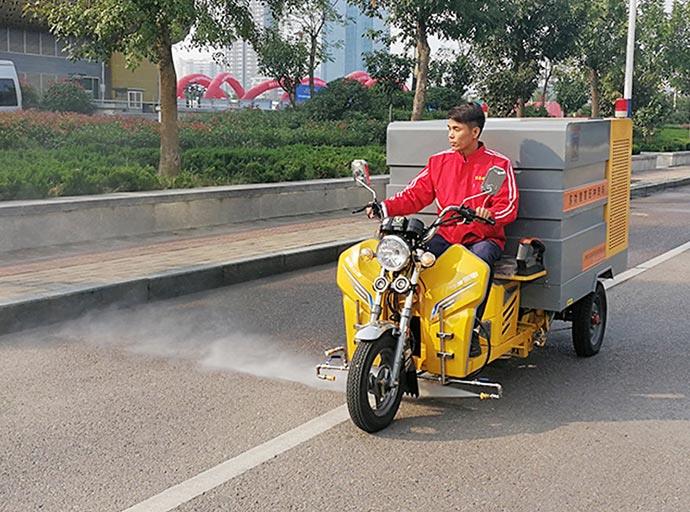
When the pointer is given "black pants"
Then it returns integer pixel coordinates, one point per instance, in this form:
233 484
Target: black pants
486 250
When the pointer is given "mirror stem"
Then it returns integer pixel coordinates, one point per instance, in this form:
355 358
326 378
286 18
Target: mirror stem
373 192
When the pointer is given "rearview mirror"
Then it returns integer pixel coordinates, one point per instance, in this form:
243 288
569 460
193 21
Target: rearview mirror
493 180
360 172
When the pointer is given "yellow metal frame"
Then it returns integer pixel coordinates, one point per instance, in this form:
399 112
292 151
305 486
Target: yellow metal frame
618 171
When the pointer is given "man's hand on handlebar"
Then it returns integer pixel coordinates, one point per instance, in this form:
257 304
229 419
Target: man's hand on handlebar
484 213
374 210
480 214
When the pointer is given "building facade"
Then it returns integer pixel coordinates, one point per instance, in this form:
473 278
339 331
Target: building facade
349 41
41 60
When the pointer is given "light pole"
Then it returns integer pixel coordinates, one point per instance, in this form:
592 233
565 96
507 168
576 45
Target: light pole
630 55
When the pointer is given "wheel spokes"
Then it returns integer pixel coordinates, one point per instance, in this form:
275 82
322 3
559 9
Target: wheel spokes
379 387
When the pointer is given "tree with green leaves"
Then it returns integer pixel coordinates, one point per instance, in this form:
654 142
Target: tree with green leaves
391 71
418 20
283 59
309 20
148 30
341 98
651 71
571 89
525 33
679 46
600 43
67 96
451 70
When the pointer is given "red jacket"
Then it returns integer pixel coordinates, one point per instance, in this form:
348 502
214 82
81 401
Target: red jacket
449 178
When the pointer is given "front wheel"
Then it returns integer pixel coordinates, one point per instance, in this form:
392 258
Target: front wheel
371 398
589 322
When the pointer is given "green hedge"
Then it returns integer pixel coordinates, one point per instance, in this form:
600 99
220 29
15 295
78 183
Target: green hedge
47 154
668 138
34 173
290 163
252 128
662 146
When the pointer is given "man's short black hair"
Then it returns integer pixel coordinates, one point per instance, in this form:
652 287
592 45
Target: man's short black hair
468 113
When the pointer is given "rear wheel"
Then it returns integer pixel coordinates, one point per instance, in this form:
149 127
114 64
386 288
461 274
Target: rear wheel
371 399
589 322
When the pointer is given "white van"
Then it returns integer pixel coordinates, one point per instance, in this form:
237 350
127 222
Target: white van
10 92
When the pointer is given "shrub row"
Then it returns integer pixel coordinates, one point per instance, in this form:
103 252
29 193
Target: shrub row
232 129
661 146
33 173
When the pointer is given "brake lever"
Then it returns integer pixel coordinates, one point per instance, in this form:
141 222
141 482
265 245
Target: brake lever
360 210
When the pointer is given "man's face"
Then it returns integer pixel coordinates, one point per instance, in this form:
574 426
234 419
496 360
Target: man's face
462 136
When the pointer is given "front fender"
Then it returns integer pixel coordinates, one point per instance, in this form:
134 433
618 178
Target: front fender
372 332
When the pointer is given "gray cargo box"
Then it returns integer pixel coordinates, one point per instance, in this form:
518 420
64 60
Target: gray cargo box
574 182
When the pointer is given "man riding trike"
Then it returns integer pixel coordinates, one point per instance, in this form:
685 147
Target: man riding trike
440 302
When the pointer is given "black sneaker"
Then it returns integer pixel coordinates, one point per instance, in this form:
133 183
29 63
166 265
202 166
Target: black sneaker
475 347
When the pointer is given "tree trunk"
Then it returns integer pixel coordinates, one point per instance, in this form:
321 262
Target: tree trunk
594 85
312 64
520 108
549 72
169 164
291 88
423 52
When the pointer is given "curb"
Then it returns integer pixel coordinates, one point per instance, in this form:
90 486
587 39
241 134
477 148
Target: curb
46 310
644 190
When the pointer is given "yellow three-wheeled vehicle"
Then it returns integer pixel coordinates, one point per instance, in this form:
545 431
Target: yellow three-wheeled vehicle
409 315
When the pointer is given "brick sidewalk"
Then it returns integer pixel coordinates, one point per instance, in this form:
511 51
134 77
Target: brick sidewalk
21 281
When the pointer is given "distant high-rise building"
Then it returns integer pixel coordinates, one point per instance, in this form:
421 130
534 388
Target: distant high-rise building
348 41
205 66
240 58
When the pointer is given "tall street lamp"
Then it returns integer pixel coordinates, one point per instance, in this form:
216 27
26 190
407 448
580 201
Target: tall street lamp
630 55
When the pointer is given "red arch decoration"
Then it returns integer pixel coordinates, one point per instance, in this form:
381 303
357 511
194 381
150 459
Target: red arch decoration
360 76
194 78
215 92
261 88
365 79
372 82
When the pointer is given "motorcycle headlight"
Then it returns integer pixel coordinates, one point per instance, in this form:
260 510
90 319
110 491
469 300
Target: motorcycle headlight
393 253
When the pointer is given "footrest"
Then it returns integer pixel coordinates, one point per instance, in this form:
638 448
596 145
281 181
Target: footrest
507 268
515 277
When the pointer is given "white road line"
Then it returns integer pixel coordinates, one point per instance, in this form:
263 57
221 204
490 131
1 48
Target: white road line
218 475
642 267
204 482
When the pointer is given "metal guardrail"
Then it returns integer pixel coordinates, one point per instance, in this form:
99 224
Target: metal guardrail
205 105
126 106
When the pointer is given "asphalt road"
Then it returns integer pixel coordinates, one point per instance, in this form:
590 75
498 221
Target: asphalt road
104 412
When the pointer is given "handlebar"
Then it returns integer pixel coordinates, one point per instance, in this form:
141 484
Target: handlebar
374 205
465 213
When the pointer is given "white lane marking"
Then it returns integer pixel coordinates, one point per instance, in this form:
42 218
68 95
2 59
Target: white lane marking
225 471
231 468
661 396
642 267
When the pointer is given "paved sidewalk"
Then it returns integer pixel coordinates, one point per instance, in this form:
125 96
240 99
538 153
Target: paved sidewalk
54 283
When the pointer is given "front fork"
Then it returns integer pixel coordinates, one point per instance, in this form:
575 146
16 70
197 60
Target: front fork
404 333
336 357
